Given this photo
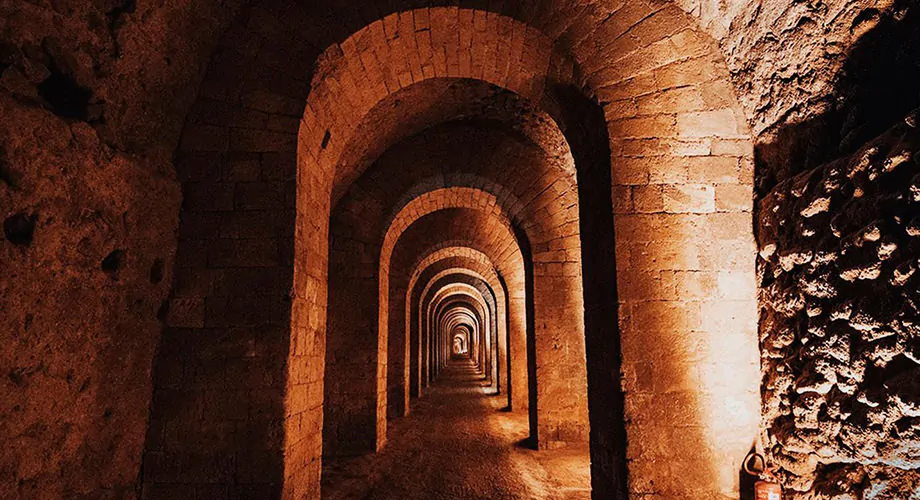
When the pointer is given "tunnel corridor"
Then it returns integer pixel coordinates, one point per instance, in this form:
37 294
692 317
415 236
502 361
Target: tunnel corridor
459 249
460 443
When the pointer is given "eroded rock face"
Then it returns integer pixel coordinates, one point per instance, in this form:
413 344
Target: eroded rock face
92 95
840 324
851 97
130 68
87 249
785 57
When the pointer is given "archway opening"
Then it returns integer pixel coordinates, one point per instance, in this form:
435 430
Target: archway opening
654 100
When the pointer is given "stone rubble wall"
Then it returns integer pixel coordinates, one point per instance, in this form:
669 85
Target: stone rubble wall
840 329
92 100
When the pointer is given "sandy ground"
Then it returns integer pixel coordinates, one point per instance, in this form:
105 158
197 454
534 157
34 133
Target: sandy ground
457 444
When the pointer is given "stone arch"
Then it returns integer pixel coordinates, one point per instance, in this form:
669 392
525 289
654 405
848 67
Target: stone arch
609 81
514 275
575 296
462 339
483 266
455 317
440 199
553 265
459 335
459 309
354 61
435 315
461 331
650 46
496 357
449 296
510 311
512 268
356 396
443 300
456 182
429 202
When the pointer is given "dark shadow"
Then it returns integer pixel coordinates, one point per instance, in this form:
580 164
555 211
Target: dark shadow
507 368
876 88
528 443
584 126
527 255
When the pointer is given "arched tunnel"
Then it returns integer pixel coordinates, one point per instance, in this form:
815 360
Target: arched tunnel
466 249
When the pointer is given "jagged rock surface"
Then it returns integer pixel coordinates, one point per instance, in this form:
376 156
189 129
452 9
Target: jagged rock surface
840 325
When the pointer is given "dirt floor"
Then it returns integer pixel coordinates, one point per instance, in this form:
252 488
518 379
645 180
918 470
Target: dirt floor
458 444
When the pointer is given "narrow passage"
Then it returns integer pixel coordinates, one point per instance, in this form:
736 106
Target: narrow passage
458 444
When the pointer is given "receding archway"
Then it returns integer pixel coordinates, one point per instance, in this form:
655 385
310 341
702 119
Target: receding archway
619 129
664 193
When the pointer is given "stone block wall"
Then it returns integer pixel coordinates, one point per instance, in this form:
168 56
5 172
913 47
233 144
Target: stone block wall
217 422
682 175
220 378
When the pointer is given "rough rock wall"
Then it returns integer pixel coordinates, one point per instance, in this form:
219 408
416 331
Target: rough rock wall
786 56
87 238
830 326
840 331
874 88
92 96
